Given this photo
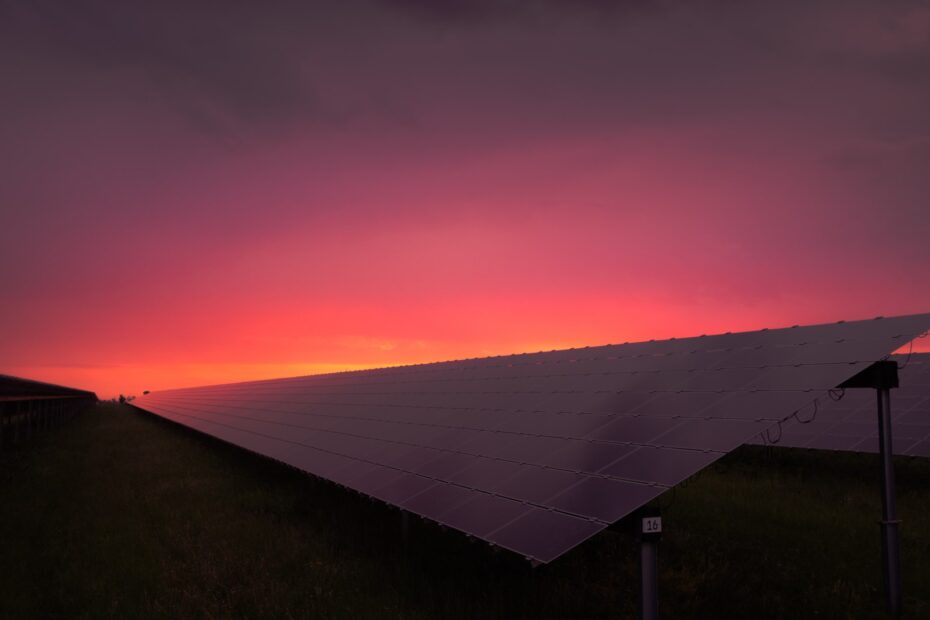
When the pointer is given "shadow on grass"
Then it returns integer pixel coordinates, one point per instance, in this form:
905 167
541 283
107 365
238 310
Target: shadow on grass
122 514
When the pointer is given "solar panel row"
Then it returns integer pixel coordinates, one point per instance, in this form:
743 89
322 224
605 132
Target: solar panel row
27 406
18 388
537 452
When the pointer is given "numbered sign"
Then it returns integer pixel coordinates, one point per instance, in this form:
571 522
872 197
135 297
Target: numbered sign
652 525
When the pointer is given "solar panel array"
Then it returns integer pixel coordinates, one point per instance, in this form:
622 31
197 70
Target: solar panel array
849 421
17 388
537 452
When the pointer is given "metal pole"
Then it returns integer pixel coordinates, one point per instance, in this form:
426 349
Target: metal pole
891 558
649 571
650 530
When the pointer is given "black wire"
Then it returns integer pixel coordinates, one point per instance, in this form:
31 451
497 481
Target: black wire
813 416
907 360
768 437
910 351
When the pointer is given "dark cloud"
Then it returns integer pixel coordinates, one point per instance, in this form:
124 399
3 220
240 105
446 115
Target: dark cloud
262 72
235 69
217 64
471 11
453 10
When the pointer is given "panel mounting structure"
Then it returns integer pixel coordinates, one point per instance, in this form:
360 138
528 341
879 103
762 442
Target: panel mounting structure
538 452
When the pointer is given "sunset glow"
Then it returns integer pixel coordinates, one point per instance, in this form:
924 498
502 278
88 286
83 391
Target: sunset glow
423 184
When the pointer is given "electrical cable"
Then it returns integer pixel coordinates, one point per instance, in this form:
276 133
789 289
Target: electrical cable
910 351
813 415
768 436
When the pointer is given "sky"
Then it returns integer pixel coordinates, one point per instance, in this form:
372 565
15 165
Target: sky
200 192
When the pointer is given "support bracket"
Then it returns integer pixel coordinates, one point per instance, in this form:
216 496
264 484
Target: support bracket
881 375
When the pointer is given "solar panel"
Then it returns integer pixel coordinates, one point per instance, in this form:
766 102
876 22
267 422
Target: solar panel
538 452
18 388
847 420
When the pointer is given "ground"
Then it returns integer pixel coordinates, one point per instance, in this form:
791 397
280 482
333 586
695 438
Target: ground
120 514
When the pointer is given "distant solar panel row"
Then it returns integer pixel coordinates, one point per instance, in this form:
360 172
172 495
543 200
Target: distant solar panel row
538 452
851 423
17 388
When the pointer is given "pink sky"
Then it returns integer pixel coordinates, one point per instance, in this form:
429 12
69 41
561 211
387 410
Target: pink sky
193 197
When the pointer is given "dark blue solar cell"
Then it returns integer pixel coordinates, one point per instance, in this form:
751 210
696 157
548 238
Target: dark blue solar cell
674 404
492 445
529 449
801 377
851 429
666 466
398 490
797 440
370 481
438 499
547 534
553 424
483 514
537 484
921 448
911 431
586 456
620 402
833 442
486 474
604 499
917 417
413 458
634 430
721 435
445 465
762 404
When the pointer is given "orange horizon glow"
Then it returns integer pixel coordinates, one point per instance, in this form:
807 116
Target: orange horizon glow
132 379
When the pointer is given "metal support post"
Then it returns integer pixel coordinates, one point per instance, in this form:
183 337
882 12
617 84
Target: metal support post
891 559
882 377
649 530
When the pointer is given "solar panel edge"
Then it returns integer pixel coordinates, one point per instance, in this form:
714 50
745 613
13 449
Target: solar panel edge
921 318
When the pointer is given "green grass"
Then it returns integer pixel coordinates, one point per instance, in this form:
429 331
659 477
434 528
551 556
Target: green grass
119 514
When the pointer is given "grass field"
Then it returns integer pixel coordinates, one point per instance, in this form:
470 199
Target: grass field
118 514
